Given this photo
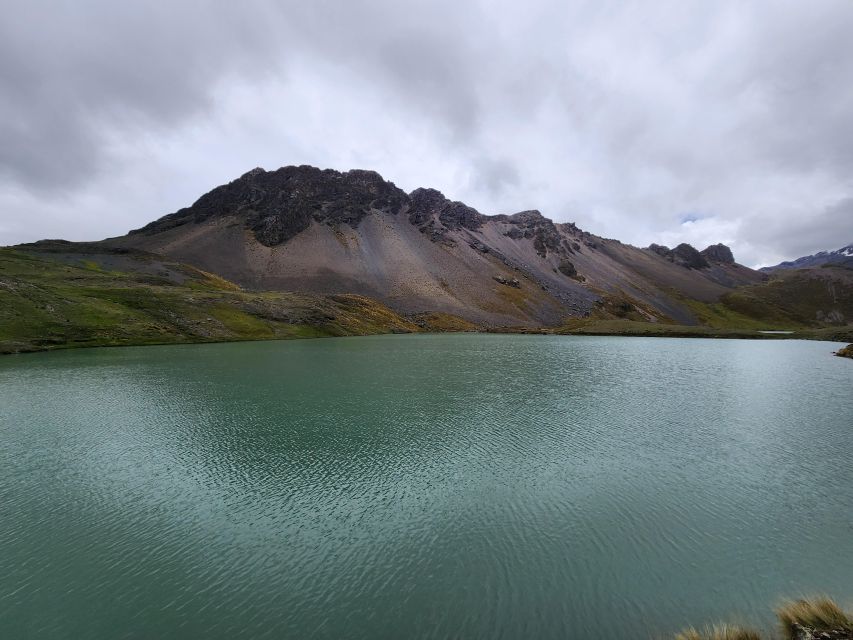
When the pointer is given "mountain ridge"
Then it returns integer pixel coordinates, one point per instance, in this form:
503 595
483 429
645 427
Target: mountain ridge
323 231
842 256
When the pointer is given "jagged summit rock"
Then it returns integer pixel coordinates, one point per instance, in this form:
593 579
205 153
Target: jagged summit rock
660 249
277 205
687 256
434 213
684 255
718 253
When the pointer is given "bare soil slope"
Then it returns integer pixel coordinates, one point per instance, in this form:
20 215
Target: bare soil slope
322 231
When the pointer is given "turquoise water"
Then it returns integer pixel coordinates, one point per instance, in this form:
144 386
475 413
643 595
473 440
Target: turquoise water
430 486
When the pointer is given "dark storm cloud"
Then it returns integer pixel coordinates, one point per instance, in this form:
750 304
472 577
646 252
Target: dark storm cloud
623 116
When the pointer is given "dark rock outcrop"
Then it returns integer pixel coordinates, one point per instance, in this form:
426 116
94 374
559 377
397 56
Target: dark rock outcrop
718 253
510 282
532 224
424 205
662 250
435 215
277 205
687 256
684 255
430 211
568 269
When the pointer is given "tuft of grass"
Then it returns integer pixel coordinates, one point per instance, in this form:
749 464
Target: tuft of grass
818 617
820 614
719 632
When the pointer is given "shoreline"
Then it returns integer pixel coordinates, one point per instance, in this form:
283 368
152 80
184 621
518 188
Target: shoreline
711 334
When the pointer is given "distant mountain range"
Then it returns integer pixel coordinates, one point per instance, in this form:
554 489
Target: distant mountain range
842 256
412 259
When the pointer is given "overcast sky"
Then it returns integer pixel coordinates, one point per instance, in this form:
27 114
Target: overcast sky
685 121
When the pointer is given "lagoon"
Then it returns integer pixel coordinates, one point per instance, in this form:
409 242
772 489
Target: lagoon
422 486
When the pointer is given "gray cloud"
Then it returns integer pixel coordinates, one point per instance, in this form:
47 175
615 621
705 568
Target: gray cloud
807 233
647 121
494 176
71 71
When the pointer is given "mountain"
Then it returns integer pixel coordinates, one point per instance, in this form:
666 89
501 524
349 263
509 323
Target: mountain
327 232
307 252
842 256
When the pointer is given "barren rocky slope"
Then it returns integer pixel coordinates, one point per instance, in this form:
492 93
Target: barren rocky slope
322 231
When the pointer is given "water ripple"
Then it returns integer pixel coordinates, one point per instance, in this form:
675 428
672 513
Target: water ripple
421 486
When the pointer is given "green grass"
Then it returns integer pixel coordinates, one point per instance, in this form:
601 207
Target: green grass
796 298
812 305
612 327
619 327
46 303
719 315
240 322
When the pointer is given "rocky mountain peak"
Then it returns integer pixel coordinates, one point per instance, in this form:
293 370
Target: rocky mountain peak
660 249
424 203
687 256
718 253
528 217
277 205
428 207
684 255
253 173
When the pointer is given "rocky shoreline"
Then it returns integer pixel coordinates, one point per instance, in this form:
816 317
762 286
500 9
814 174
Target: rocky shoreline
846 352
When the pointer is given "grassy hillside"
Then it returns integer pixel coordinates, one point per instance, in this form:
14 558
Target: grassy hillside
804 297
66 300
810 303
621 327
68 295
